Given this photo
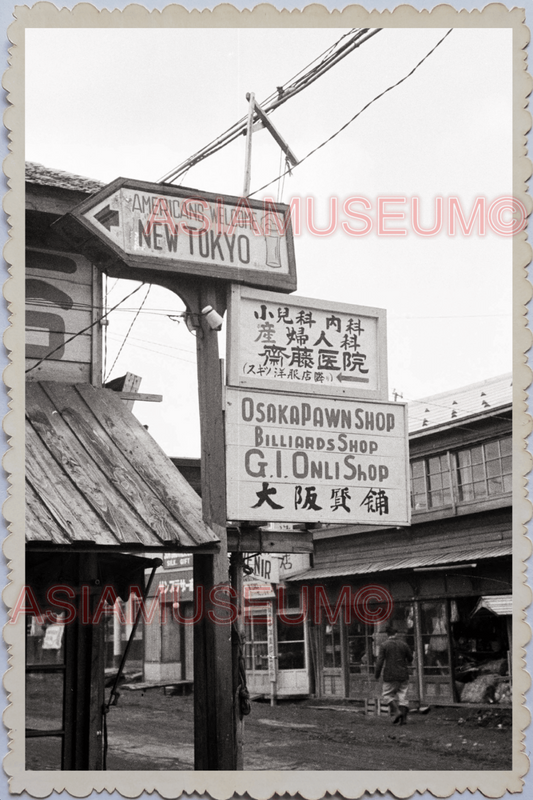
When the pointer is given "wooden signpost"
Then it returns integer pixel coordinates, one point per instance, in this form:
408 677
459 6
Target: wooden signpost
293 364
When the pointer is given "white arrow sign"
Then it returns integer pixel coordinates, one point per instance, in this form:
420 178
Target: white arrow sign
173 229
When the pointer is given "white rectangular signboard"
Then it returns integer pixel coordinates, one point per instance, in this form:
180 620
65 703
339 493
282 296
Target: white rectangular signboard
296 458
299 344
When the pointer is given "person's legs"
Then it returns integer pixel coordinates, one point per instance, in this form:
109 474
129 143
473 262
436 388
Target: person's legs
403 702
389 696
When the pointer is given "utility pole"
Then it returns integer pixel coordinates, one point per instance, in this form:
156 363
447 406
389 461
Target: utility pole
215 743
214 712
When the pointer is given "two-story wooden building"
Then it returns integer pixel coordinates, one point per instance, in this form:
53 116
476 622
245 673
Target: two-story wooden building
449 574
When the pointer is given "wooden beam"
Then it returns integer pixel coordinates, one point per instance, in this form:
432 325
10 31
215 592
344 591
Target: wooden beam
136 396
248 154
238 655
258 541
273 131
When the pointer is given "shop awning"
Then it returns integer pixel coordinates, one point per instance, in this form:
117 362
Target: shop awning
95 476
410 562
500 604
120 571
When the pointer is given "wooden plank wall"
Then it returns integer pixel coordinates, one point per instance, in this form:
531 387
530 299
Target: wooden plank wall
63 297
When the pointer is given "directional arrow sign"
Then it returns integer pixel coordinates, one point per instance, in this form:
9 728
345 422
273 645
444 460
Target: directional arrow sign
132 226
108 218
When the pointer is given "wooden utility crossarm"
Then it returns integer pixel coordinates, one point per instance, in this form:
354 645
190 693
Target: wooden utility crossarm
275 133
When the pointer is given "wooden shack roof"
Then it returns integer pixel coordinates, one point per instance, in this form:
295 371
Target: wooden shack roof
59 179
95 476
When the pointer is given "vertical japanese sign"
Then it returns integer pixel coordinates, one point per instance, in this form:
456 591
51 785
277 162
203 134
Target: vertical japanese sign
271 649
296 458
305 345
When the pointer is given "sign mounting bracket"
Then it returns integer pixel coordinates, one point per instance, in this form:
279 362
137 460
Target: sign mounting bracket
255 109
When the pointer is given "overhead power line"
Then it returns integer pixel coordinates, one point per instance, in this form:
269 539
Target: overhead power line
129 331
84 330
292 87
358 114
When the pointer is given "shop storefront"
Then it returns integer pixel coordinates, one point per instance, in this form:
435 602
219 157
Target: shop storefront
276 629
446 580
460 634
168 642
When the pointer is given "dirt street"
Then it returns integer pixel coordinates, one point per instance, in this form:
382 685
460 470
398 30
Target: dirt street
154 731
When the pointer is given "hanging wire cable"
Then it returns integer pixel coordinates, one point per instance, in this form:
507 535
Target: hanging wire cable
280 170
158 349
355 116
294 86
84 330
104 343
128 332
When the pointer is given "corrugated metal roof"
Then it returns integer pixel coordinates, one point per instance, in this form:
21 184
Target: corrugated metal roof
45 176
95 475
500 604
456 404
410 562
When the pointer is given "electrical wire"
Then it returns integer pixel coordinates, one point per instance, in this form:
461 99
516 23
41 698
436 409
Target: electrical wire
104 335
294 86
158 344
84 330
158 351
128 332
355 116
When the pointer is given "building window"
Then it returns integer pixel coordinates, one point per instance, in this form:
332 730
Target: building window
434 631
484 470
256 648
430 482
360 647
291 646
332 645
480 471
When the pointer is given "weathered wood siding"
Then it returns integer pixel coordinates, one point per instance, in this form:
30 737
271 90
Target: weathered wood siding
63 298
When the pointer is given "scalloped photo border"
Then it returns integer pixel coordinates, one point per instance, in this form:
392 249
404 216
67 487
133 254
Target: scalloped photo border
260 785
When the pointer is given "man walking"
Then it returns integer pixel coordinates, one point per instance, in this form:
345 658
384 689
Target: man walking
396 656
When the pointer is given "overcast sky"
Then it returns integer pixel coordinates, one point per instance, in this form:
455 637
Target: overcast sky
135 103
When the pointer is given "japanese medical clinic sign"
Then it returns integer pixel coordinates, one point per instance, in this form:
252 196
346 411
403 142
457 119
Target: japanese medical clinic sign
304 345
154 227
296 458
